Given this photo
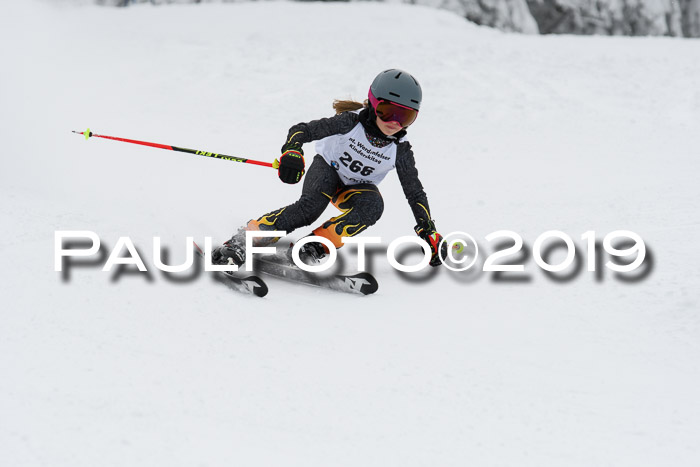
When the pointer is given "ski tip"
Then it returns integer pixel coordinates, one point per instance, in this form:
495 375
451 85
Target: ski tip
363 283
260 289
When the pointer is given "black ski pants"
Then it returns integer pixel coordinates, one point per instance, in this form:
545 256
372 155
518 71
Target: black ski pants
361 206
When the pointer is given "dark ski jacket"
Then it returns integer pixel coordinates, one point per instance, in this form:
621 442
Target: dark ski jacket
405 162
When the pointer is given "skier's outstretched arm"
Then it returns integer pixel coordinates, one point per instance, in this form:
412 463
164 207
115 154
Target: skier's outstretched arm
418 201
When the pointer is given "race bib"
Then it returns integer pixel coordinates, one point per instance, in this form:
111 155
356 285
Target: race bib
354 157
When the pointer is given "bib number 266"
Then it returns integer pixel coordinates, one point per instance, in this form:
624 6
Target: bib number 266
355 165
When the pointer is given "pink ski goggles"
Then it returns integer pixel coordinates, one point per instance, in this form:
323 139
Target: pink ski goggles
392 112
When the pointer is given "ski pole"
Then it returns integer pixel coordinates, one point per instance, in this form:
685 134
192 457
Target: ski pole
224 157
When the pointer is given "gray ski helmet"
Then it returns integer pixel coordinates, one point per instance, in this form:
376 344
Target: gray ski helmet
397 86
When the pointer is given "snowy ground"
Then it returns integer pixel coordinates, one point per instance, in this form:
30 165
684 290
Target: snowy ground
516 132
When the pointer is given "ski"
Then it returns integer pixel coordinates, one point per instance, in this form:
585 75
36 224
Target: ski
280 265
246 284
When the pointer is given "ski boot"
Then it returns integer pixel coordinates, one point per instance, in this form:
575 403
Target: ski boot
231 252
312 253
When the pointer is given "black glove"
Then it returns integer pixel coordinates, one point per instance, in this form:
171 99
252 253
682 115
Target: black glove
291 163
426 231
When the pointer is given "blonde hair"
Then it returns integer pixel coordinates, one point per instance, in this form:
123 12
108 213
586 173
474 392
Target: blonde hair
341 106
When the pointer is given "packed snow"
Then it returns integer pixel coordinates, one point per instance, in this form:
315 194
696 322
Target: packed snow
523 133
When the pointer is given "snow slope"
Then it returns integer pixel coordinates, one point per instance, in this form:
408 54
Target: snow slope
523 133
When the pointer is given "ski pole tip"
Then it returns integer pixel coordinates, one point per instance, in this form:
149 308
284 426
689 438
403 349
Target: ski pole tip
87 133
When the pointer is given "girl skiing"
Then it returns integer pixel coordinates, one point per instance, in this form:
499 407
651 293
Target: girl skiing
355 150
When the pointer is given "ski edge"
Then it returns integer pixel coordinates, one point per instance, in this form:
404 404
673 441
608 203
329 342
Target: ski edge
275 265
